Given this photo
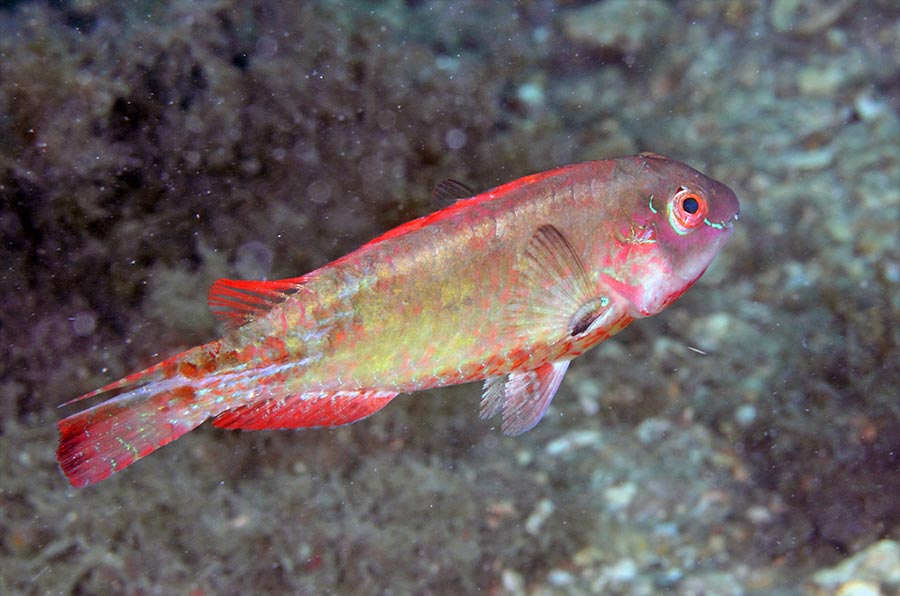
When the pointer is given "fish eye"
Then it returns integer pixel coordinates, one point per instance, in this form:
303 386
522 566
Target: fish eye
690 205
688 210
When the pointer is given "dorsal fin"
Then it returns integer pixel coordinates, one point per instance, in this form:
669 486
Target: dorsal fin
235 302
449 190
462 204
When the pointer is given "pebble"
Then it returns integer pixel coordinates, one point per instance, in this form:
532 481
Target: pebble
859 588
745 415
532 95
653 430
513 582
588 392
712 584
806 17
620 496
541 513
879 564
622 571
626 26
560 577
711 331
571 441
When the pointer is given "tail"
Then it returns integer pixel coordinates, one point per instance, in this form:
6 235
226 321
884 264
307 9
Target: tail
178 395
112 435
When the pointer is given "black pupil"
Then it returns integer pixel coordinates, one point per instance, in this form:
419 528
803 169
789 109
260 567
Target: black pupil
690 205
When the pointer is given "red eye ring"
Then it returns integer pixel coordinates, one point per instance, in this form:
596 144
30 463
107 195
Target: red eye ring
689 208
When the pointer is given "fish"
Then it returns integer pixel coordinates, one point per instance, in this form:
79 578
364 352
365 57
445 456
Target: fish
506 287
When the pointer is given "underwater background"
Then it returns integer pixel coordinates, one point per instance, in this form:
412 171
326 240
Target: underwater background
746 441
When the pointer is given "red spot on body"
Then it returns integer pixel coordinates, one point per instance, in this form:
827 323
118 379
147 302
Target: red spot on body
185 392
188 370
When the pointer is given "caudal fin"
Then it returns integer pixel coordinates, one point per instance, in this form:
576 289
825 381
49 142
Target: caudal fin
110 436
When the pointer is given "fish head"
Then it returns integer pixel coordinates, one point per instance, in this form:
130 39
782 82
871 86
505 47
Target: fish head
682 218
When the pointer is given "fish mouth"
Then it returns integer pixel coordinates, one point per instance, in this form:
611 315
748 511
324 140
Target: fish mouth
734 218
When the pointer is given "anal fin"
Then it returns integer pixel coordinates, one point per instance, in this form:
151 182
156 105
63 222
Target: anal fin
307 410
523 397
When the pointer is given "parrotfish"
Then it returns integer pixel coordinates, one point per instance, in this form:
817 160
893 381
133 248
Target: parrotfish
506 286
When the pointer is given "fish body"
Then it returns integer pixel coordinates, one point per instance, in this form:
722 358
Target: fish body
506 286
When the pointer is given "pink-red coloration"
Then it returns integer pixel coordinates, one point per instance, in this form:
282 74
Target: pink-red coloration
506 286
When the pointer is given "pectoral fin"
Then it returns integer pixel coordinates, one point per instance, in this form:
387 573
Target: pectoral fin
522 397
556 297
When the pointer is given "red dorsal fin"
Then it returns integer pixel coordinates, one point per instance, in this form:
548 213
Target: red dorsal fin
305 411
236 302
